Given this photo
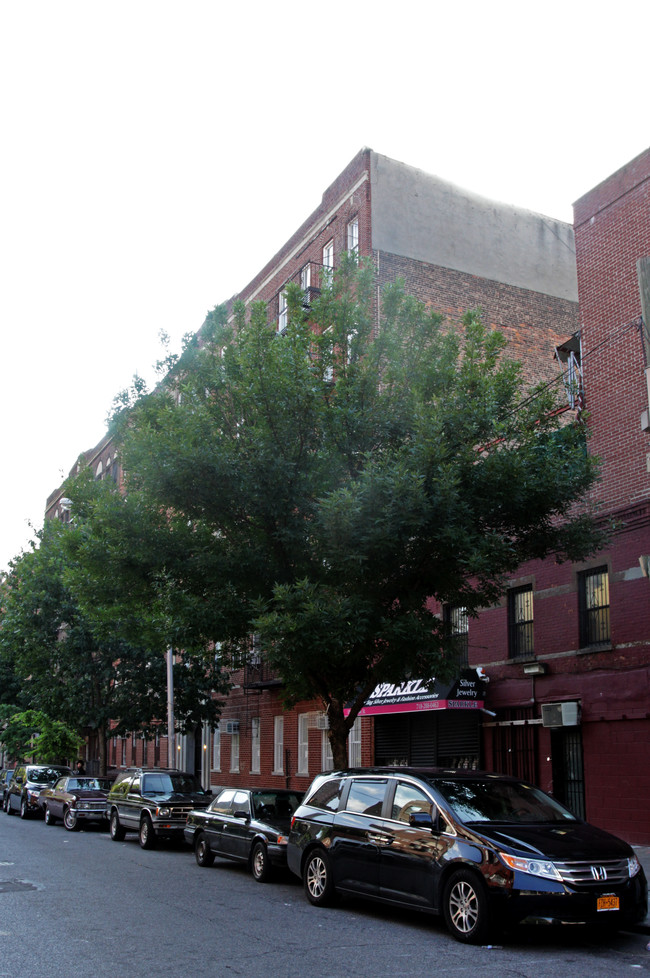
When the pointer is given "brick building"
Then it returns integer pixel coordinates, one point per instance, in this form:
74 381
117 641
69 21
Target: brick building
570 679
454 251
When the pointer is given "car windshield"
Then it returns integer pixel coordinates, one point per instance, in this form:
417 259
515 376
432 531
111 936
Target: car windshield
275 804
89 784
43 775
168 784
501 801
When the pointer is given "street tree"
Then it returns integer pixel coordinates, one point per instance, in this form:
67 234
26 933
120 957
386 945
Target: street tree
340 477
33 734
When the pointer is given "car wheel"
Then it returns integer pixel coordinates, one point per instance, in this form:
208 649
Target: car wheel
24 811
202 851
260 863
49 817
465 906
146 835
115 829
70 820
317 879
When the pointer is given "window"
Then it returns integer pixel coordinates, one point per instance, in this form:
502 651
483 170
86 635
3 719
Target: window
326 756
216 749
328 795
255 745
353 236
283 312
354 744
593 596
305 277
328 262
520 621
408 800
278 745
303 744
366 797
234 752
456 618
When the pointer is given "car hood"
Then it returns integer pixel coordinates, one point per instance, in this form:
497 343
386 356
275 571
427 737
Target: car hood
562 841
178 798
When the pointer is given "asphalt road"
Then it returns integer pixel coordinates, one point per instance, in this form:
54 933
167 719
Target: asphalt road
80 904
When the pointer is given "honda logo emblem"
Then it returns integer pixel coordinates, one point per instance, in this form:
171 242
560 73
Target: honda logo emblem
599 873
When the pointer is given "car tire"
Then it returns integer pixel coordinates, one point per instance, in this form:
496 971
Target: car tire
317 879
24 810
70 820
146 835
49 817
465 907
117 833
202 852
261 867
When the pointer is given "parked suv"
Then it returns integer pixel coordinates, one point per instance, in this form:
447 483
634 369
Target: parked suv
481 849
154 802
27 782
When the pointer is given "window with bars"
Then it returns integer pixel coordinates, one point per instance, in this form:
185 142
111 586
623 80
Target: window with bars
456 616
593 597
520 622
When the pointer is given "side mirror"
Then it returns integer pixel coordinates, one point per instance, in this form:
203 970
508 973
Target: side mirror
241 815
424 820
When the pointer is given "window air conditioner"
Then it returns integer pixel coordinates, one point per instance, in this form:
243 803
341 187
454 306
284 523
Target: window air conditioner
561 714
322 721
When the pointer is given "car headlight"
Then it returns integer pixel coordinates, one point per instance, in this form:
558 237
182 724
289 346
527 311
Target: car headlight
633 866
534 867
165 812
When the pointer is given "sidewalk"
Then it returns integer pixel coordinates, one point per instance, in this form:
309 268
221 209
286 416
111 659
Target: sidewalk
643 855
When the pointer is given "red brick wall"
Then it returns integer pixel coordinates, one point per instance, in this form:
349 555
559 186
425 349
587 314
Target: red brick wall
612 231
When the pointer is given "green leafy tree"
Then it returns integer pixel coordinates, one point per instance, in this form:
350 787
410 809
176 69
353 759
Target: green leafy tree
34 734
339 476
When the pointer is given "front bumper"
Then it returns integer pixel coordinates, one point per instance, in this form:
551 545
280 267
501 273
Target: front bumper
537 900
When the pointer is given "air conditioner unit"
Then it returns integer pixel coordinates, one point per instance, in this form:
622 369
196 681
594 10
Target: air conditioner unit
322 721
561 714
231 727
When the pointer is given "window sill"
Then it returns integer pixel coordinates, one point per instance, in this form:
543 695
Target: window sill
590 649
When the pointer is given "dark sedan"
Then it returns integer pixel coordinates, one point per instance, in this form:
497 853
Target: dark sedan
75 799
249 826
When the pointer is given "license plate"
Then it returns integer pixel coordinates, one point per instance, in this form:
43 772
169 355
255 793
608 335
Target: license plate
608 903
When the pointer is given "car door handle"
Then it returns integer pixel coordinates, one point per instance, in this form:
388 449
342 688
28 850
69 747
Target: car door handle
380 838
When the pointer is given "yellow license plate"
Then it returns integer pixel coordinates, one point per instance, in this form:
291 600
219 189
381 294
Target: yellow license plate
608 903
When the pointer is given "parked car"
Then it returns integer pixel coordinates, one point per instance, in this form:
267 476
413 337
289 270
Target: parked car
75 799
154 802
249 826
481 849
27 782
5 778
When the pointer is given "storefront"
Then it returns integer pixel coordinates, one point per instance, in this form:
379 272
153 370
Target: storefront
428 723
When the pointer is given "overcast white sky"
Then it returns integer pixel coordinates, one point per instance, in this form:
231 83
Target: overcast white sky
155 155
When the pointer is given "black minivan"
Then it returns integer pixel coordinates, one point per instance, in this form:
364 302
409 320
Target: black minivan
483 850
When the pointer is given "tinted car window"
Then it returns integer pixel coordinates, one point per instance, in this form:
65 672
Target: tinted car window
408 800
328 795
501 801
366 797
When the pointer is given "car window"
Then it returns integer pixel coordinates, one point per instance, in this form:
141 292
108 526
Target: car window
60 784
328 795
241 803
280 804
223 801
408 800
366 797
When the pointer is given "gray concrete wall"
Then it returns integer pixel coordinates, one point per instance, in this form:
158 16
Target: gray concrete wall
419 216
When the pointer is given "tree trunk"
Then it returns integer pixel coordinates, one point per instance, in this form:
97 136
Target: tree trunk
338 735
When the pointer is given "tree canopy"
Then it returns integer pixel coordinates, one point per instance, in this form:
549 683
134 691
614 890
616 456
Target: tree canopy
329 483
